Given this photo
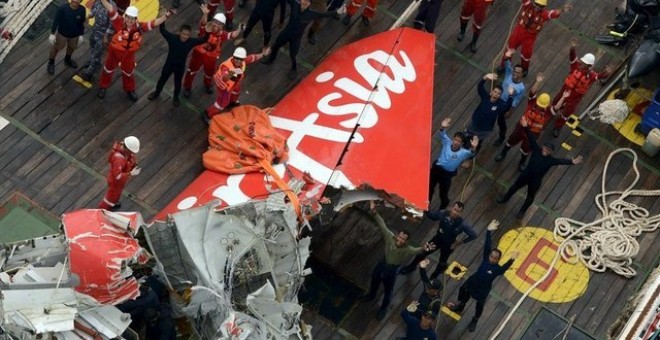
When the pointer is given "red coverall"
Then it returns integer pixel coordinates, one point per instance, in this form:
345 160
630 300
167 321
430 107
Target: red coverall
227 89
536 118
529 25
478 9
578 81
121 163
205 55
369 10
121 50
229 8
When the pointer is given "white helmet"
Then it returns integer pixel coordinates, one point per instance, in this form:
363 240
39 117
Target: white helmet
220 18
588 59
131 11
132 144
240 53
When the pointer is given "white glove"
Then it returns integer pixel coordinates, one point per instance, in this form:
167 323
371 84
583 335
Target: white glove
237 71
135 171
412 307
51 39
81 40
492 226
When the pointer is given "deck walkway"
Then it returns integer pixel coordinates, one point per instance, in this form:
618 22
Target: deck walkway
54 148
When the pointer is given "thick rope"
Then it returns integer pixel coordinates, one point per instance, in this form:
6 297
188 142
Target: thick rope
18 22
610 111
606 243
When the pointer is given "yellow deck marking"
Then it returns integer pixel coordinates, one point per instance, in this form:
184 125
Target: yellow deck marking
456 271
537 249
449 313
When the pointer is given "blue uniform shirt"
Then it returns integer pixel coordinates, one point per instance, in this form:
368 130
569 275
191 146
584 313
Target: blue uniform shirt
519 88
448 159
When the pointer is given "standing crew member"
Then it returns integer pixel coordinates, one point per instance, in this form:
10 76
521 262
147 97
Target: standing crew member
178 48
427 15
491 108
264 11
446 165
397 252
533 16
479 284
537 114
207 54
478 9
539 164
98 39
67 31
228 81
125 42
450 226
419 327
512 78
368 13
229 11
123 166
578 82
301 17
430 297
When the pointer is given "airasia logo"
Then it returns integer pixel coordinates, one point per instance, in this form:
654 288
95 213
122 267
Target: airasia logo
354 101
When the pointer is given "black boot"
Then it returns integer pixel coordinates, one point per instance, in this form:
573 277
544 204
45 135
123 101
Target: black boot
51 66
502 154
502 199
70 62
268 60
461 34
458 308
346 20
473 325
473 44
153 95
521 165
499 141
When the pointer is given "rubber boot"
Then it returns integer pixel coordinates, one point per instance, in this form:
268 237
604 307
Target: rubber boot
461 34
500 157
473 325
473 44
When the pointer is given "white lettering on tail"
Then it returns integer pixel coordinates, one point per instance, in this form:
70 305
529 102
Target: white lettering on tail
383 73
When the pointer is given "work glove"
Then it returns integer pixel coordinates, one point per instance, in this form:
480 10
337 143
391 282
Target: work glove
412 307
81 40
135 171
51 39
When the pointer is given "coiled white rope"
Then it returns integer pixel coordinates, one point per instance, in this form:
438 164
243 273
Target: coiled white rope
22 14
610 111
606 243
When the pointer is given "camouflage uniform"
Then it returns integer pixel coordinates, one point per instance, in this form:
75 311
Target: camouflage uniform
97 48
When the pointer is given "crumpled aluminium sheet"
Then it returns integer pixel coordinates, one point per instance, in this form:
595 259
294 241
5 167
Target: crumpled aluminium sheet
245 266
